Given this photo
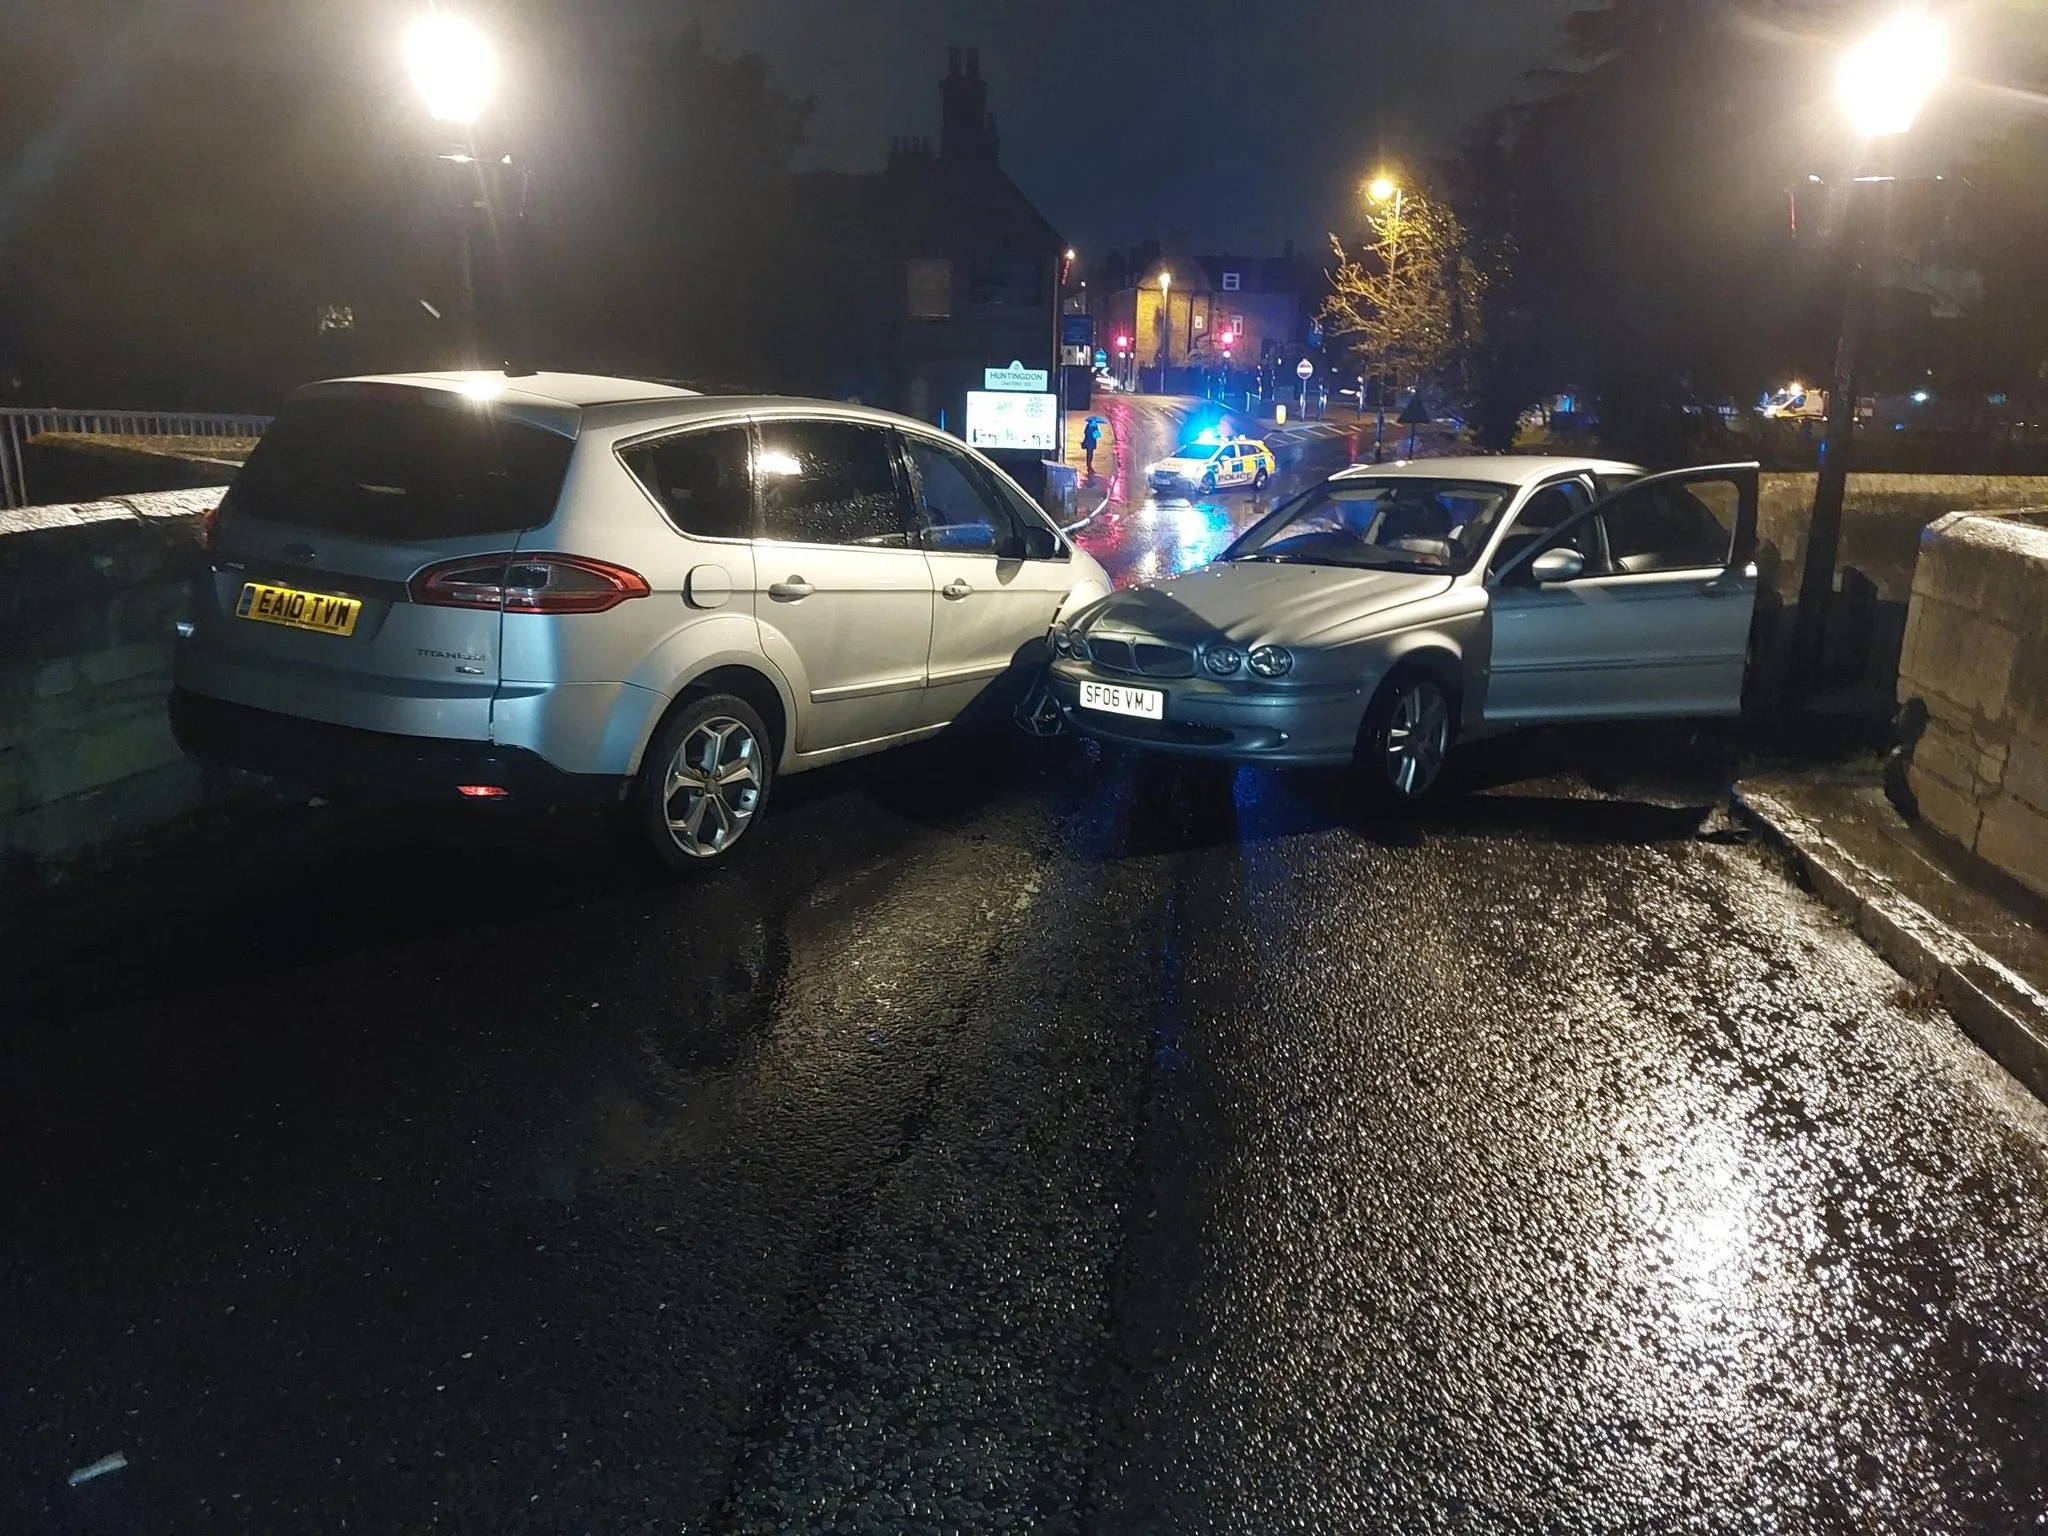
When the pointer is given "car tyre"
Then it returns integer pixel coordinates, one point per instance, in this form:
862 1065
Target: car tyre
703 783
1259 480
1209 483
1407 736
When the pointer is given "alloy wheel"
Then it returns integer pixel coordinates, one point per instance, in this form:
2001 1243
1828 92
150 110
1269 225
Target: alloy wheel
1417 738
713 787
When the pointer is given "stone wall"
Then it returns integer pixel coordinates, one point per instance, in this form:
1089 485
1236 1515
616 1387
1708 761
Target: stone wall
89 597
1882 517
1973 682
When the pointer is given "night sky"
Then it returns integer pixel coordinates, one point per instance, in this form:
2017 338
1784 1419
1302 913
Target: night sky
1239 124
1243 123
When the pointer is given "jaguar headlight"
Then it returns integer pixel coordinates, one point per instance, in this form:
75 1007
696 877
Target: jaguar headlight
1061 640
1272 661
1223 660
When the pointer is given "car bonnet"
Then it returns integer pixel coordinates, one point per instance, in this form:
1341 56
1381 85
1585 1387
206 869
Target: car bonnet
1261 603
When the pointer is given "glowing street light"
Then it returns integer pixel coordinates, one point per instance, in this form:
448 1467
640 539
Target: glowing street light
1887 78
1165 324
452 66
1383 188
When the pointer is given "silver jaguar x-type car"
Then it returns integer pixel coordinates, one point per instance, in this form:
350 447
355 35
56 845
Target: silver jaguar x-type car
1385 613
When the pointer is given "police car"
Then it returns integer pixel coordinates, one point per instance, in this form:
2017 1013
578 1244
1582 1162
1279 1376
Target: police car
1210 464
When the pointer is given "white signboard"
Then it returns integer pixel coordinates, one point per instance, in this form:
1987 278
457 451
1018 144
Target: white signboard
1017 377
1004 419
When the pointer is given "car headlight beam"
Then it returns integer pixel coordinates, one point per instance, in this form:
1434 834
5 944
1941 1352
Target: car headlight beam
1272 661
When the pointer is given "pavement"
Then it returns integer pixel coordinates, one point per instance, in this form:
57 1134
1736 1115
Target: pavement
1019 1138
1970 937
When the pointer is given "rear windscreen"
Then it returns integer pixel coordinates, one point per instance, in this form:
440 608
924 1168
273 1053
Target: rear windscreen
404 466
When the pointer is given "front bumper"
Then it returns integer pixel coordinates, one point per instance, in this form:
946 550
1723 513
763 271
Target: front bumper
314 752
1294 727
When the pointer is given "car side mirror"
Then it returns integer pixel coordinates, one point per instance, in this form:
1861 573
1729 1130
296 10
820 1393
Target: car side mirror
1555 565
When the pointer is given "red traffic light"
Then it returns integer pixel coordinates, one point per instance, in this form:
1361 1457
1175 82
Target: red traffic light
1122 342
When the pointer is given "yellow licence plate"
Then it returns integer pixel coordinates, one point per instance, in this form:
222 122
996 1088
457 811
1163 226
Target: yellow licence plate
317 611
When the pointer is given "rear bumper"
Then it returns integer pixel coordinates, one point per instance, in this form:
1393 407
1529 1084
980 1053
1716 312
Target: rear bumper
317 753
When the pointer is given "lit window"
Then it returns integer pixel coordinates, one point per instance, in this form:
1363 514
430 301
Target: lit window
1232 281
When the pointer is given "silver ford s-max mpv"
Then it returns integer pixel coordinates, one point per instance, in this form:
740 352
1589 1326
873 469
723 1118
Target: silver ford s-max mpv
558 588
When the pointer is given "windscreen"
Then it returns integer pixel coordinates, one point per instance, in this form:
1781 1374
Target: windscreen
408 465
1399 523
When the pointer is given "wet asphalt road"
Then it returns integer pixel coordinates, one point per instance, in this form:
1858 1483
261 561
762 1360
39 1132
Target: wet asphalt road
1021 1139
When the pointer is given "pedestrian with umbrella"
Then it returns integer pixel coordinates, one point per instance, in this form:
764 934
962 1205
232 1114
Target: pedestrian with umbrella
1091 436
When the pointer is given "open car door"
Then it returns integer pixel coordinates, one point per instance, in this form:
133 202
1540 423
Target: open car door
1639 606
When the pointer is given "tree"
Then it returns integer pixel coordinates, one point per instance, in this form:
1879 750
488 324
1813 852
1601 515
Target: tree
1643 194
1408 303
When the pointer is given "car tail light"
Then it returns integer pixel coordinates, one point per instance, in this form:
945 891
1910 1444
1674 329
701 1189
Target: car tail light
482 791
528 584
209 528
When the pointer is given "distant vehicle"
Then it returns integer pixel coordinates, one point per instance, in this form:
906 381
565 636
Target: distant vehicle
1212 463
1393 609
563 589
1795 402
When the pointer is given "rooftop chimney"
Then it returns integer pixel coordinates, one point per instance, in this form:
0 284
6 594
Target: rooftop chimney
966 130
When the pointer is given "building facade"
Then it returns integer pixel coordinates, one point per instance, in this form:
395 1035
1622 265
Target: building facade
931 271
1211 312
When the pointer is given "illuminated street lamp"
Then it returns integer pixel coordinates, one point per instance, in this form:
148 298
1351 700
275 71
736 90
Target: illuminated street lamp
455 71
452 66
1887 78
1165 324
1380 189
1884 82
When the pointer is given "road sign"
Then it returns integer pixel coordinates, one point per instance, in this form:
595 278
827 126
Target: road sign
1304 369
1012 420
1077 330
1101 358
1016 376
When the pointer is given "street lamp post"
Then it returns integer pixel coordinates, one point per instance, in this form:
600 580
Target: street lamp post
455 71
1885 81
1165 325
1380 190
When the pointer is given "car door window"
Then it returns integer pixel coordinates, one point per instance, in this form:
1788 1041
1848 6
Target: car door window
831 482
1671 526
1542 515
958 511
699 480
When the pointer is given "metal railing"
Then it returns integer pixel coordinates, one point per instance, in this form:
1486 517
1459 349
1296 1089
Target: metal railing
20 425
